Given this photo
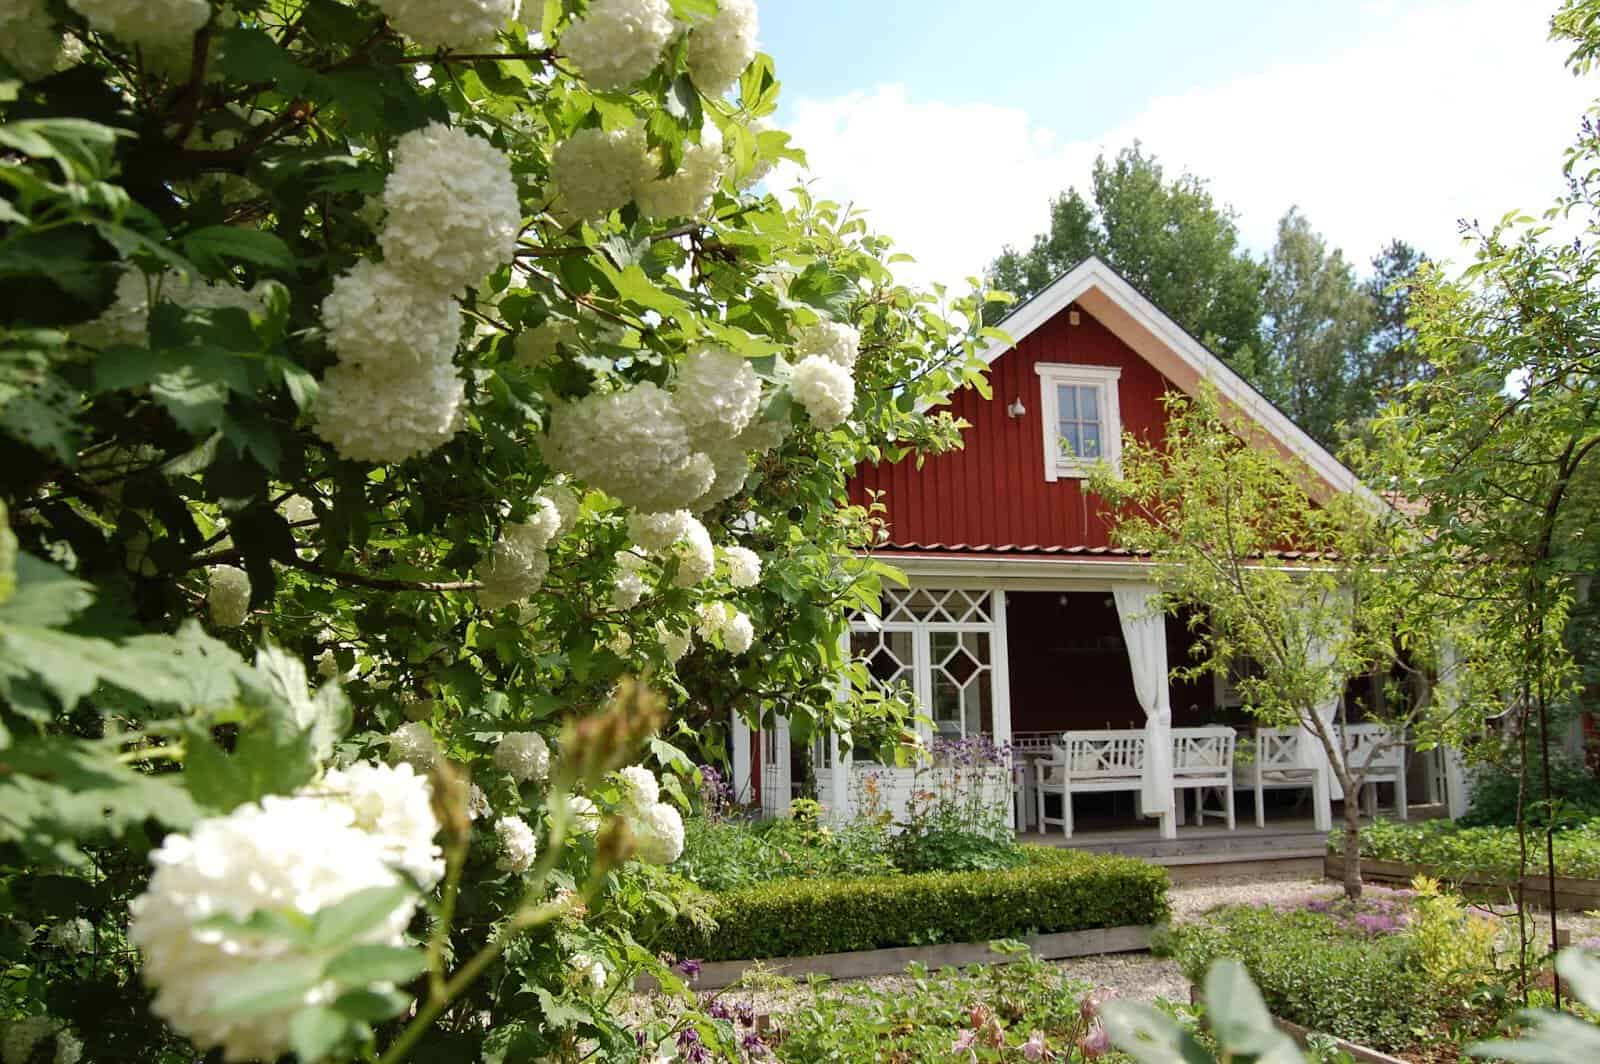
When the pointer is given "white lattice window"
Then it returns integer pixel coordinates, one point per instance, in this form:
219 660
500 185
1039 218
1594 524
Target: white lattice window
1082 418
941 643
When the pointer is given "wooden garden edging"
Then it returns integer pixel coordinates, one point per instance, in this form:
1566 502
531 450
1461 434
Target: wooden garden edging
1574 894
861 964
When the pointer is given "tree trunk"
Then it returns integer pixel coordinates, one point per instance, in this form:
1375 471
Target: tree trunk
1352 844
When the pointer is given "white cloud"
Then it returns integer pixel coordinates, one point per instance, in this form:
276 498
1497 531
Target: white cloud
1458 109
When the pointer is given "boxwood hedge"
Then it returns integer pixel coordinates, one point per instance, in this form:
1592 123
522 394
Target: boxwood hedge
1057 890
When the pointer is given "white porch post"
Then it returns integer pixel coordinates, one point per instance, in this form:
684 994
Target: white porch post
1144 630
1000 671
1457 784
741 758
839 774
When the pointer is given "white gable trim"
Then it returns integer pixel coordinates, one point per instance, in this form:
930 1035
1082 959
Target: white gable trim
1100 289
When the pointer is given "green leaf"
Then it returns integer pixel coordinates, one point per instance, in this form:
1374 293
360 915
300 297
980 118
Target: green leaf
81 148
823 288
360 966
693 10
356 915
314 1032
1151 1037
371 1006
213 246
45 596
1239 1016
267 986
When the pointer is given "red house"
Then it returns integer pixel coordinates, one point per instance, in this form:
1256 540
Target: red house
1023 623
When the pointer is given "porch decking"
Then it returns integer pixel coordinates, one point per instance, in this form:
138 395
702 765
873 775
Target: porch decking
1284 845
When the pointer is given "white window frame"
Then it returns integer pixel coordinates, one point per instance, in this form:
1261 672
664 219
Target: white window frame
1059 466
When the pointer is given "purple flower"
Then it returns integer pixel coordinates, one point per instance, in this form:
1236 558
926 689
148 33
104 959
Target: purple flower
745 1012
690 1047
1094 1044
1096 1000
718 1011
963 1043
1034 1047
754 1045
688 967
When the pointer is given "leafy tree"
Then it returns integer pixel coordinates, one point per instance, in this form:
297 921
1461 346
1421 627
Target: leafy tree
1169 237
1316 317
1313 588
473 377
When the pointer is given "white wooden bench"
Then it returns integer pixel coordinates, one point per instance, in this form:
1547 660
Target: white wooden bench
1202 760
1276 764
1087 762
1388 765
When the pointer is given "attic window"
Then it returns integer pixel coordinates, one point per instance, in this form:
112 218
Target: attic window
1082 418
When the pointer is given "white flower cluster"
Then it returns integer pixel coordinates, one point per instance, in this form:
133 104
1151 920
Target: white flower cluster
674 644
451 216
677 534
825 388
719 48
628 585
228 595
414 744
659 451
127 320
73 936
836 340
518 846
585 815
158 24
21 1039
595 171
631 444
452 213
744 566
718 620
687 193
657 827
302 853
29 39
617 42
518 562
567 502
459 24
525 755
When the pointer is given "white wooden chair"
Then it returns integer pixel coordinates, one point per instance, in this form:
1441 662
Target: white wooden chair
1276 766
1361 749
1202 760
1086 762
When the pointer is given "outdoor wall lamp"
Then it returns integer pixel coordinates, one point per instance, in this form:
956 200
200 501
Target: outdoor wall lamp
1016 409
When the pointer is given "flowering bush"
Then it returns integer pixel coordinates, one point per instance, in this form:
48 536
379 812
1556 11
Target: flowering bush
346 338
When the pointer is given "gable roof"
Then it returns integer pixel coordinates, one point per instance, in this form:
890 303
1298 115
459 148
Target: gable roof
1097 288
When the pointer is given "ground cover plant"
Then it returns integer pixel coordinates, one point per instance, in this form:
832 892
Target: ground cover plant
1447 850
1393 970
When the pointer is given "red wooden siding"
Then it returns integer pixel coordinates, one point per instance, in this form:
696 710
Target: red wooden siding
993 492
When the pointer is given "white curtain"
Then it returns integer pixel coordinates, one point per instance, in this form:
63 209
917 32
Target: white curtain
1144 629
1312 754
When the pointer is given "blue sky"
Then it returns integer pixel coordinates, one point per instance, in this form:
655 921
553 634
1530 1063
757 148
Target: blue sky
1378 118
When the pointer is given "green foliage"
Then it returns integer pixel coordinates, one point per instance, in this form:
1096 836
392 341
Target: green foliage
725 855
1552 1037
1453 947
1316 974
1242 1030
1575 795
1059 890
1456 853
998 1008
942 850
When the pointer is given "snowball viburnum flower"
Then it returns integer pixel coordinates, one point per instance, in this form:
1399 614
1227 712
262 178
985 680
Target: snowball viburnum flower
640 788
457 24
372 416
518 846
585 815
687 193
658 531
512 571
452 208
744 566
697 557
380 319
674 644
561 495
632 444
228 595
738 634
840 342
719 48
394 805
300 854
414 744
628 585
826 389
158 24
617 42
658 833
595 171
717 393
525 755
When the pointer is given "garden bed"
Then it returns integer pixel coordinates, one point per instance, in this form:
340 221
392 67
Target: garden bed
1055 891
1576 895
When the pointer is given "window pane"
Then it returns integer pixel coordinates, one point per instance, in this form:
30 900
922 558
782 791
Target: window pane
1072 438
1091 441
1066 402
1088 403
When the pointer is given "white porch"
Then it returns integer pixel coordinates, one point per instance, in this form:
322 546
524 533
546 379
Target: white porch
1061 691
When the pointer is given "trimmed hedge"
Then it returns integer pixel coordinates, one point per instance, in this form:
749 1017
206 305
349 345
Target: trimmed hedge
1057 890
